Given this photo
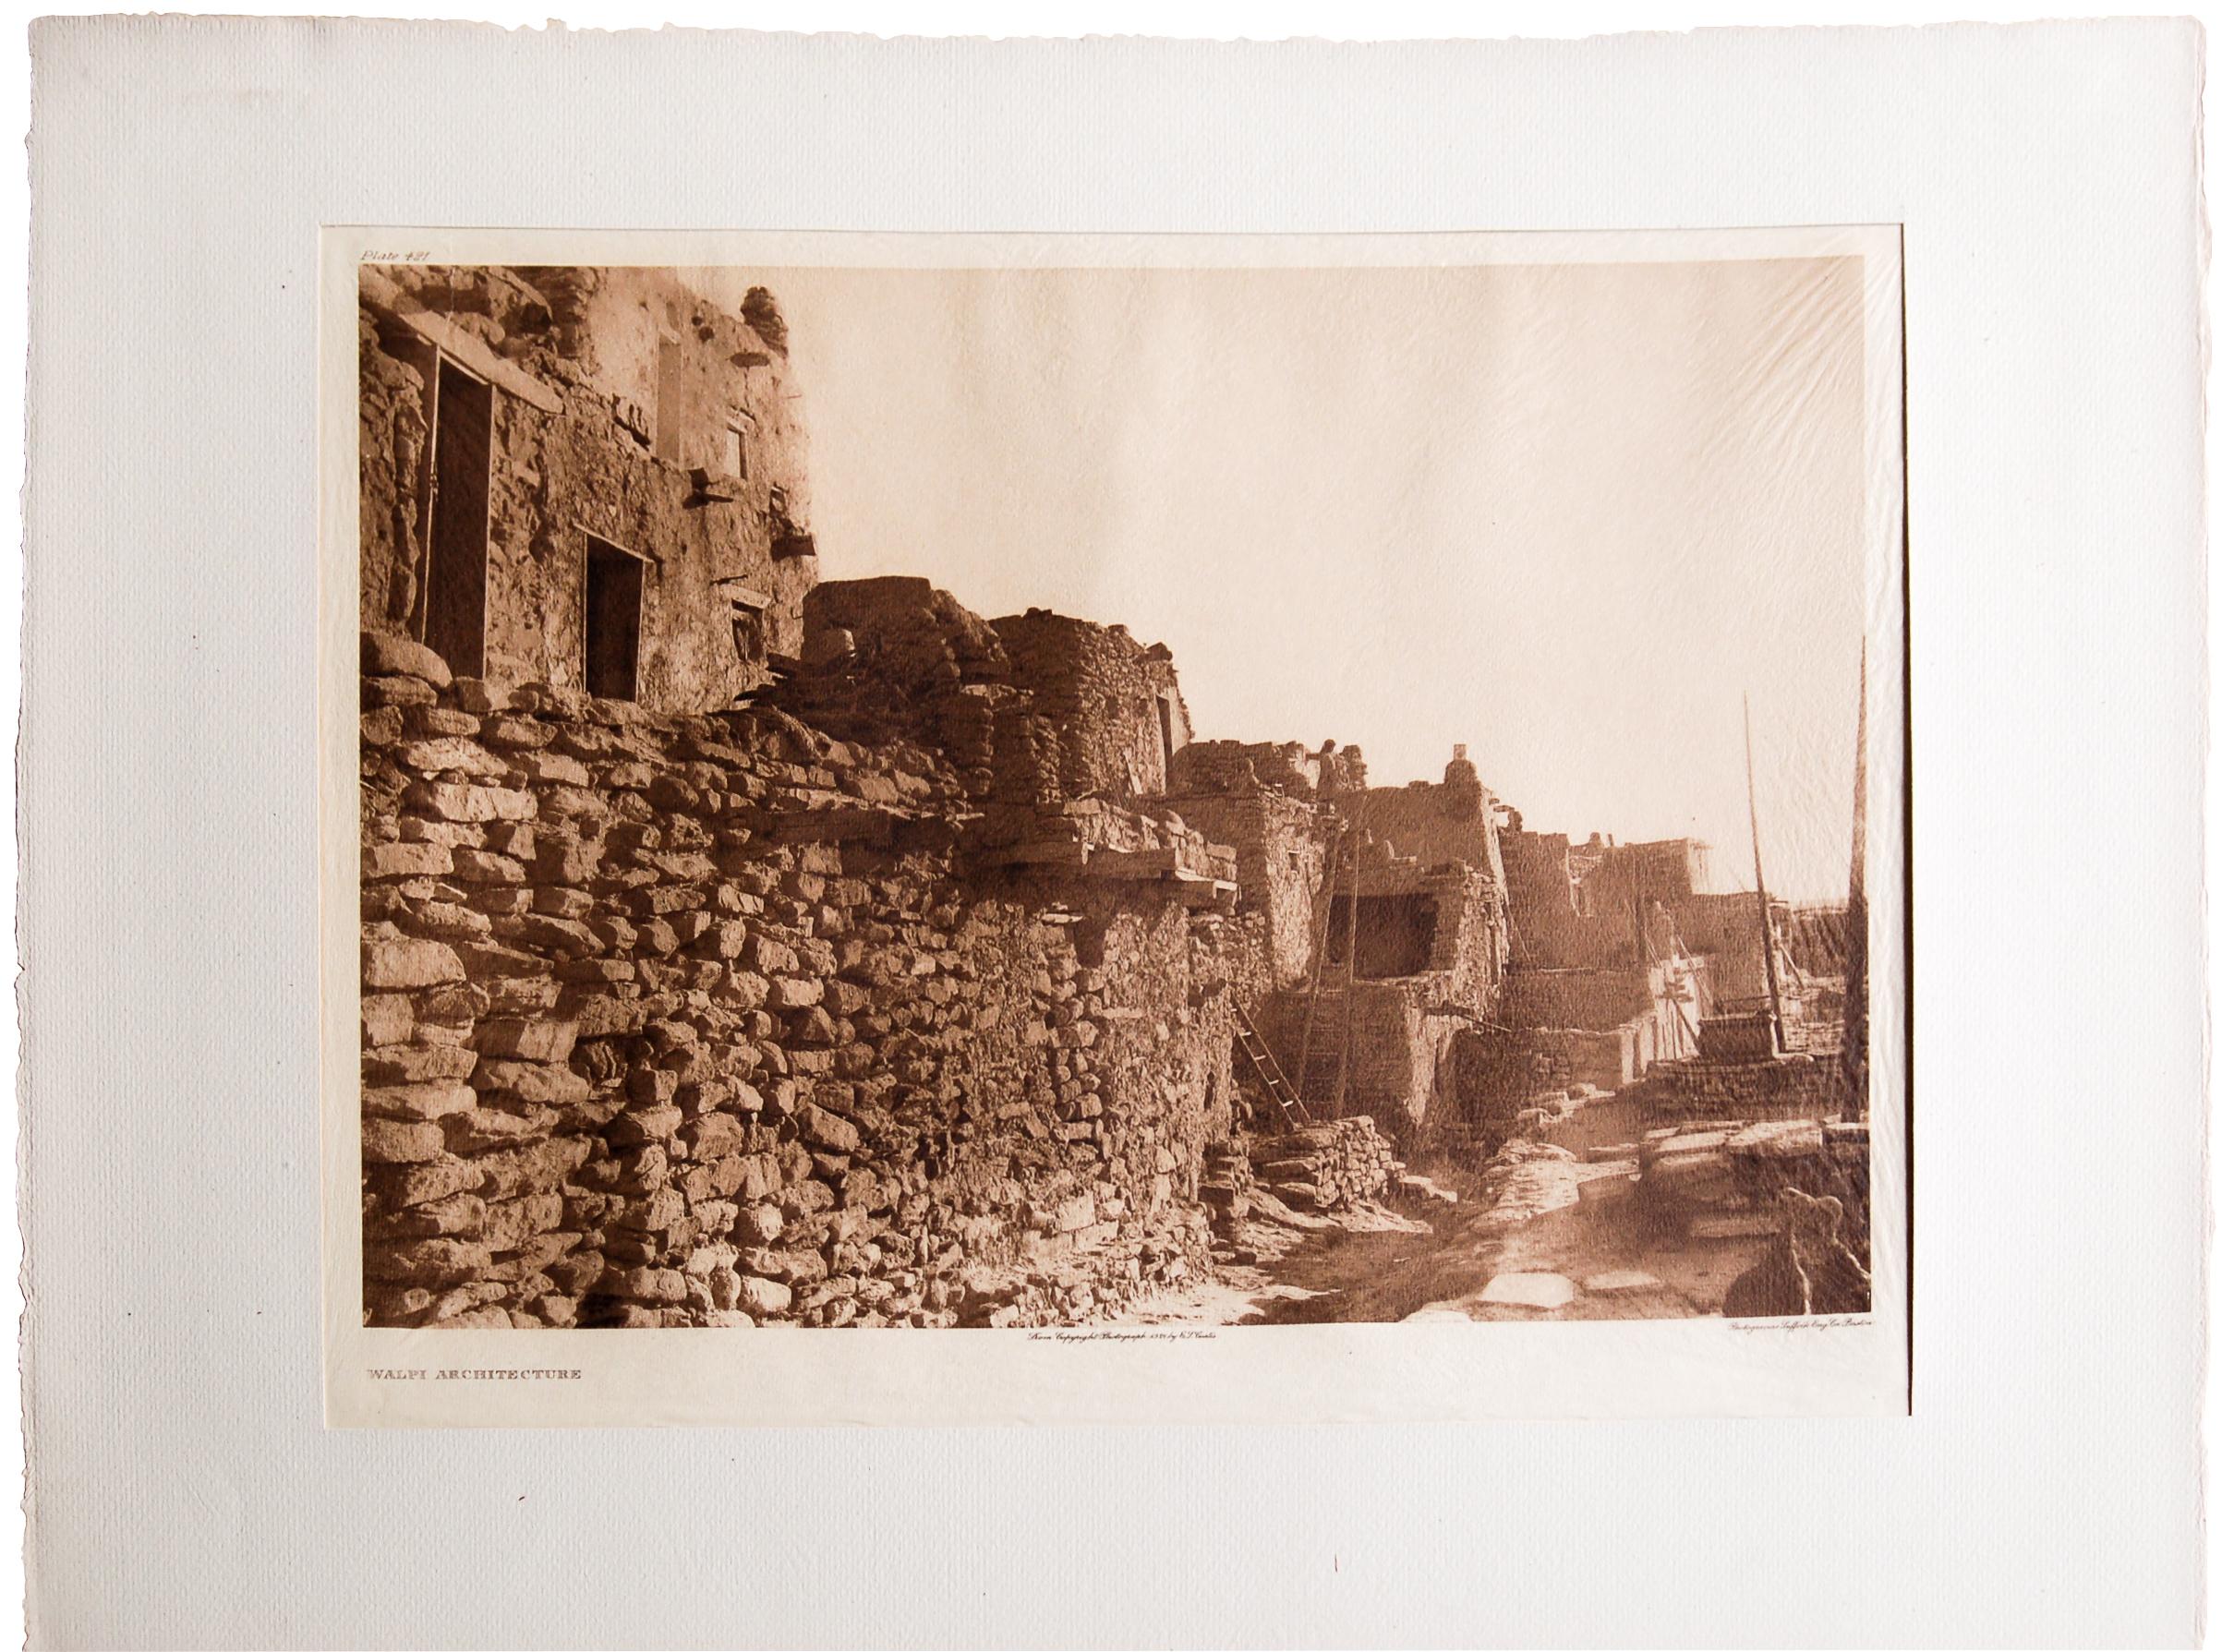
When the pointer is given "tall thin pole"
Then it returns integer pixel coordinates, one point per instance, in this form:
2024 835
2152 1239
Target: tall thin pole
1855 1058
1328 863
1342 1063
1751 789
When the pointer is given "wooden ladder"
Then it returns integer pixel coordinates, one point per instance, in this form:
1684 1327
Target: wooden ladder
1270 1075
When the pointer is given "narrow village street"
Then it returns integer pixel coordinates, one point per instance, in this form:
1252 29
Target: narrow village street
1521 1243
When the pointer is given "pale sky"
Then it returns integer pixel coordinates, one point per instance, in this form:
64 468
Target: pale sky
1565 514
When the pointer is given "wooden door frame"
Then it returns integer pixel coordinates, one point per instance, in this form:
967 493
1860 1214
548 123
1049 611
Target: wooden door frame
651 566
421 620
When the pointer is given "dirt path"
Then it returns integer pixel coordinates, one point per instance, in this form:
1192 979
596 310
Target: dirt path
1621 1268
1572 1259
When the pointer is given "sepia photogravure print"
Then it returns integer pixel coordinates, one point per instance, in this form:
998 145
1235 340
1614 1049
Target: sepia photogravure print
1064 797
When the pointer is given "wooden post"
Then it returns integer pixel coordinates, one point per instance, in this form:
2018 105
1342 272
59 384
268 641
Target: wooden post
1643 937
1342 1065
1854 1059
1319 953
1758 876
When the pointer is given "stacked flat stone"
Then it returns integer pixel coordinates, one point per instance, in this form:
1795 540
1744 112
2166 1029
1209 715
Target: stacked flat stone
1227 1185
1794 1086
698 1020
1327 1166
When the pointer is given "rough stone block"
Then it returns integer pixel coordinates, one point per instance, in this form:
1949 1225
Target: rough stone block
397 691
480 866
549 1040
560 903
512 1223
401 1141
660 1211
396 963
452 801
451 756
416 1064
714 1135
538 1084
419 1102
1075 1213
828 1130
387 656
421 1184
763 1223
382 727
430 1262
406 860
770 956
647 1124
791 992
483 1128
761 1297
552 768
806 1196
648 1285
387 1019
487 960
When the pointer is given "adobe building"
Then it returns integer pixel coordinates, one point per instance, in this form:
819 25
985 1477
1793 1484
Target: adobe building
1621 957
740 948
1268 803
590 478
1384 914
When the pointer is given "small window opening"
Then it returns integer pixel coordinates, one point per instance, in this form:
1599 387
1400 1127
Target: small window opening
670 400
748 633
735 457
613 601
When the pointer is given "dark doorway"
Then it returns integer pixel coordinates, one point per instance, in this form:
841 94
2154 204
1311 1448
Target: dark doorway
1395 934
1165 737
614 582
455 612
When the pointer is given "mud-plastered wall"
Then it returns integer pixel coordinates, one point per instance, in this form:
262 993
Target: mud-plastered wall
625 410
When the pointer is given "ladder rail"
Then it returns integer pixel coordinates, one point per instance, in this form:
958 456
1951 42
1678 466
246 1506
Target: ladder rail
1319 952
1276 1082
1342 1063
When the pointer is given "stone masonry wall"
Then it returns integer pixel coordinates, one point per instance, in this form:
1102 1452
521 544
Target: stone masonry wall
1499 1072
1099 693
1282 765
1326 1166
1798 1086
683 1021
1595 999
641 380
1280 847
895 655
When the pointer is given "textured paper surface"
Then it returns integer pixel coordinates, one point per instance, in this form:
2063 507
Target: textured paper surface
185 1491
